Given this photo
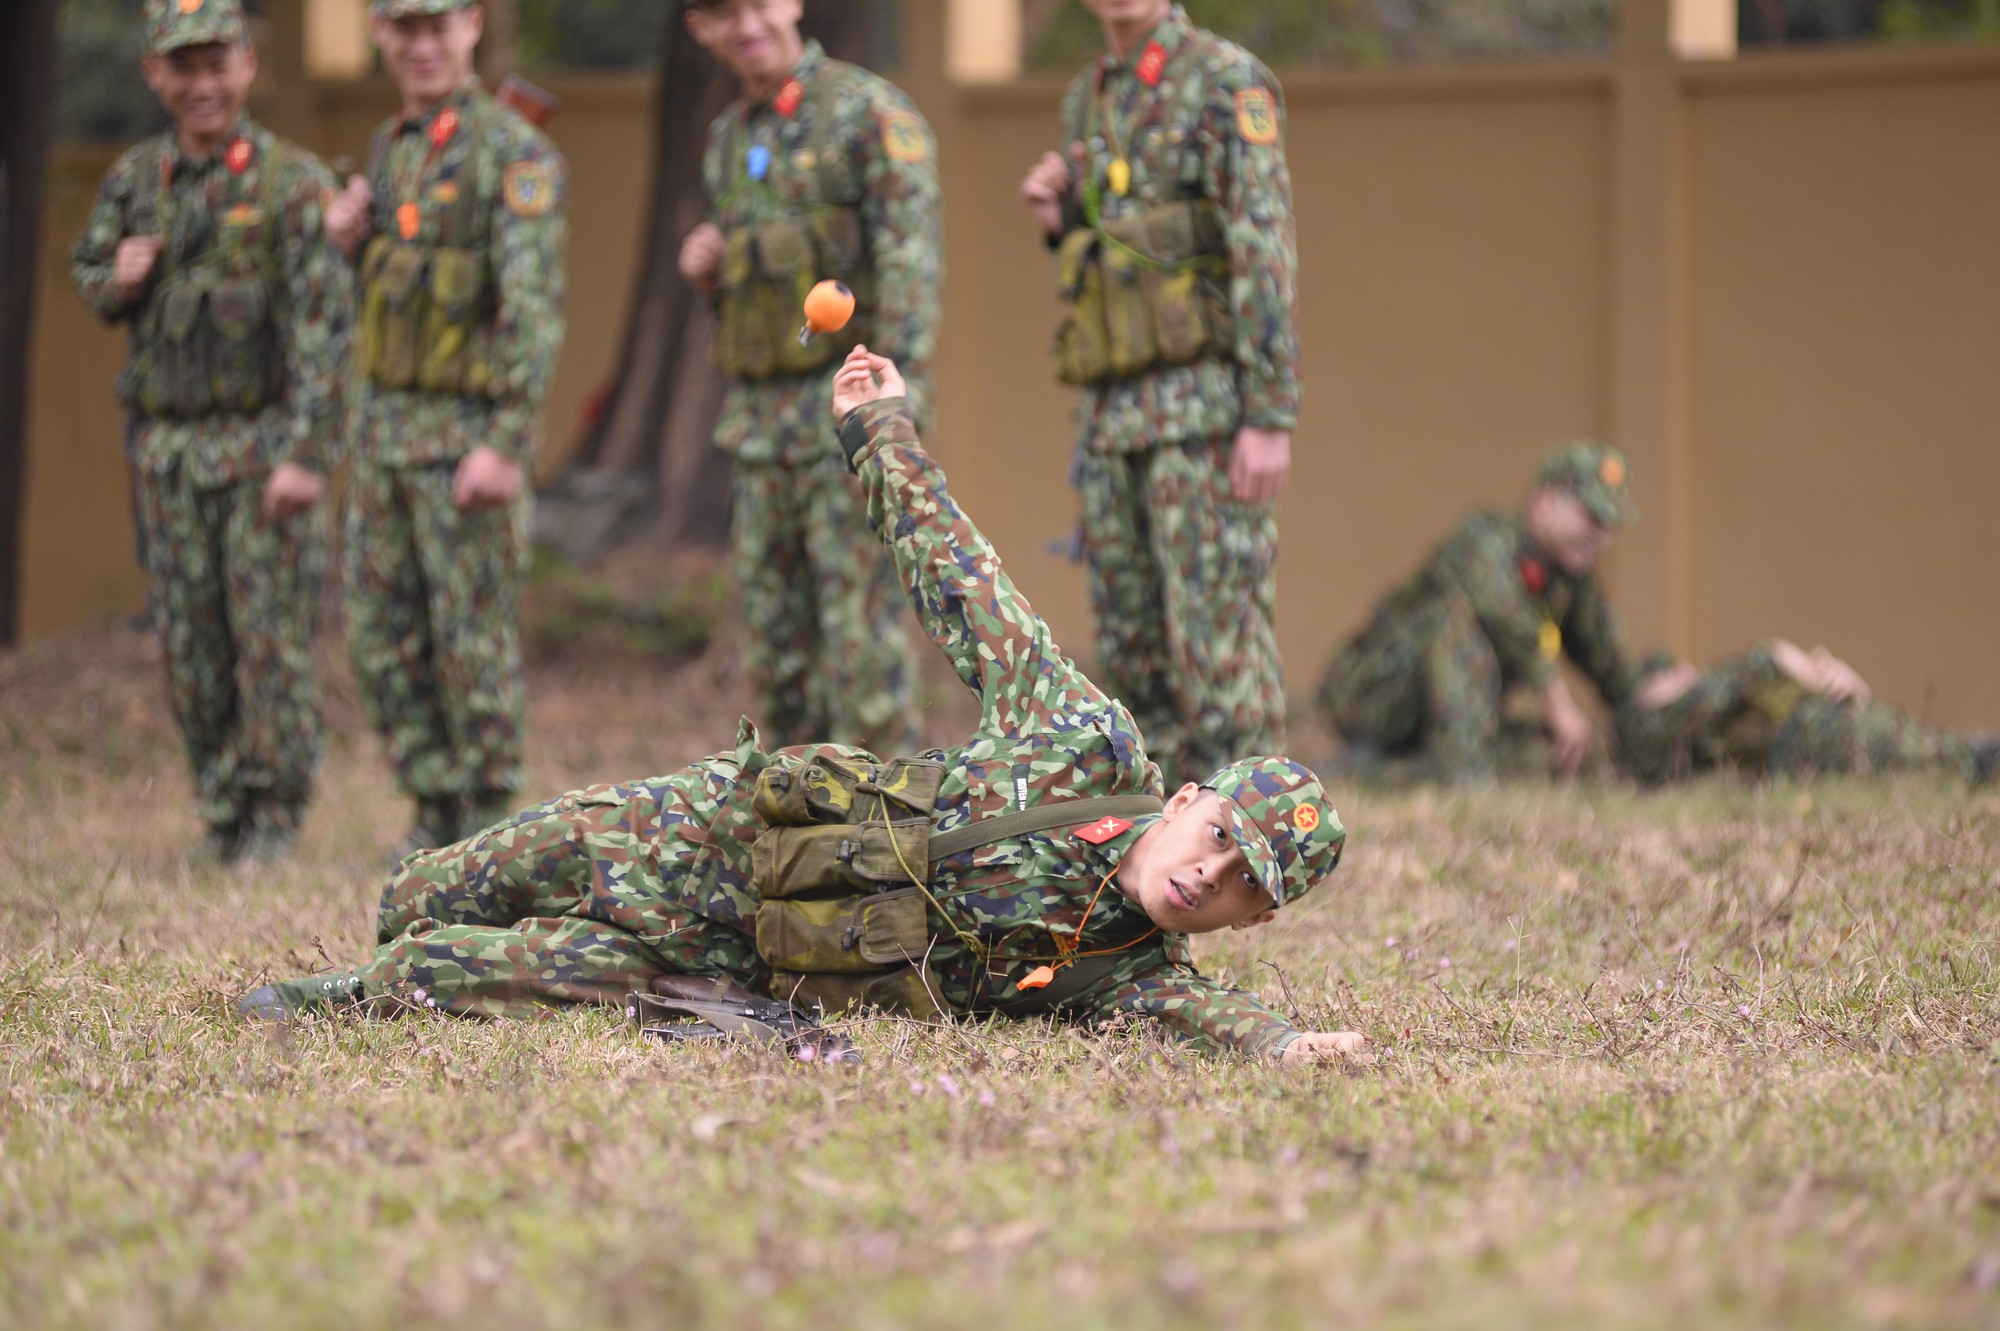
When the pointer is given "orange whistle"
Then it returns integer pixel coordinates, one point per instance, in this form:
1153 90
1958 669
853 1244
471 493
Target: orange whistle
1038 978
829 305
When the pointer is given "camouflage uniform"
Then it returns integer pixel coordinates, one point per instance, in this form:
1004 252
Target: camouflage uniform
592 895
431 589
1182 575
1746 713
825 643
1425 679
233 594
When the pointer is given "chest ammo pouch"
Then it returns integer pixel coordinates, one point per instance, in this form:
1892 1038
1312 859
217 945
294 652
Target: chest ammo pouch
1143 290
427 310
206 341
768 267
843 922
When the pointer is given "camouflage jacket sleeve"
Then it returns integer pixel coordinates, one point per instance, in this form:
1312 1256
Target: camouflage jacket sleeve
1685 735
90 261
1481 562
529 225
966 602
319 305
1162 984
1594 638
1250 182
902 214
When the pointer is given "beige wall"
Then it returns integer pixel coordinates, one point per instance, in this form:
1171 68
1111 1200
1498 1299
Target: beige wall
1771 279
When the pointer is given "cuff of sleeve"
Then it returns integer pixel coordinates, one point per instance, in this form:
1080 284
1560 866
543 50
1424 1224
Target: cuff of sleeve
1267 405
1278 1047
507 432
869 424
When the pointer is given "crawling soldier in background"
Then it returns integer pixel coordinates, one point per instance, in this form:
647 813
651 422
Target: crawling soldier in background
1780 710
1033 868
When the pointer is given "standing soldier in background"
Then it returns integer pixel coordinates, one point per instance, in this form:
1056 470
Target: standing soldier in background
1170 212
820 170
457 228
209 241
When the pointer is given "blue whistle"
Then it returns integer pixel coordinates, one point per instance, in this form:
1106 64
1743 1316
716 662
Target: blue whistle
757 161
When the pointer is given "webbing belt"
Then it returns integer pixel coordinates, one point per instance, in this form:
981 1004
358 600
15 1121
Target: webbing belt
1062 813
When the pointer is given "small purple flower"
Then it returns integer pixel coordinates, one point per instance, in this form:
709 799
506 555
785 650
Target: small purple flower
986 1099
1444 963
1743 1011
807 1053
948 1084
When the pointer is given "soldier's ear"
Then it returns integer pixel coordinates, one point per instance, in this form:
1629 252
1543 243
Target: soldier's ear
1180 799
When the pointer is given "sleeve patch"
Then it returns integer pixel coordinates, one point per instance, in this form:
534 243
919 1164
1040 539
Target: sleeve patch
529 188
1256 116
903 137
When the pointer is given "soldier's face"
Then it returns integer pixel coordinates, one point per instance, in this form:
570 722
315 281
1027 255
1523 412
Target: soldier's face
1565 530
1129 12
428 55
1187 872
756 40
204 87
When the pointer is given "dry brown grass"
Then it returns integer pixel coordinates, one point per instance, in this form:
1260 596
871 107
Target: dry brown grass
1722 1057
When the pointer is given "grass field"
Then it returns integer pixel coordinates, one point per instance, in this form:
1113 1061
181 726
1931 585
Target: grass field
1721 1057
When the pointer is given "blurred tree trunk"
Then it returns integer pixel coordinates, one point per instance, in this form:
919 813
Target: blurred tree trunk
27 108
646 464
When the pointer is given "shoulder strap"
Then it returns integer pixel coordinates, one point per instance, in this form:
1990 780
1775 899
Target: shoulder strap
1061 813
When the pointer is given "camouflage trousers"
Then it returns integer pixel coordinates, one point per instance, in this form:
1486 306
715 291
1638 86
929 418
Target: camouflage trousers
1826 736
583 899
825 642
1183 587
432 600
234 597
1423 688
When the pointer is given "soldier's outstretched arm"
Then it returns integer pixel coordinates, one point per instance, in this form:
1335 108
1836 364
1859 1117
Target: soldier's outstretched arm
970 607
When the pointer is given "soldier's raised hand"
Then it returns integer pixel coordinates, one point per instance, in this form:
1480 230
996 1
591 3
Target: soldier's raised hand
132 264
701 256
862 378
347 215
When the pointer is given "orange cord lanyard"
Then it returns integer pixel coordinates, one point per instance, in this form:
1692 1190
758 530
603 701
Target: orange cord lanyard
409 216
1040 976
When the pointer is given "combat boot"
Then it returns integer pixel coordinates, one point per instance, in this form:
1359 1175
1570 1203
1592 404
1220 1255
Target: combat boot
484 810
1985 762
218 845
437 824
295 998
269 837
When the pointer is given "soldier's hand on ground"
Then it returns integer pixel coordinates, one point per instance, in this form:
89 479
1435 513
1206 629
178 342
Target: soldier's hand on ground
1259 464
291 490
1569 731
1666 686
862 378
485 479
132 265
701 256
347 215
1048 180
1347 1046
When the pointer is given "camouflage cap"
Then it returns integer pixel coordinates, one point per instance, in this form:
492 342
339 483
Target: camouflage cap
172 24
404 8
1595 474
1278 812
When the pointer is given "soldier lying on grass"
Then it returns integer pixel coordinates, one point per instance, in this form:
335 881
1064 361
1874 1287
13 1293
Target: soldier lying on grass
1032 869
1779 709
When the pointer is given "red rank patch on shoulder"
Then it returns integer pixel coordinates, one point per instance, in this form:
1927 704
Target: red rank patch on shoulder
1152 64
788 98
1102 830
1532 576
237 156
